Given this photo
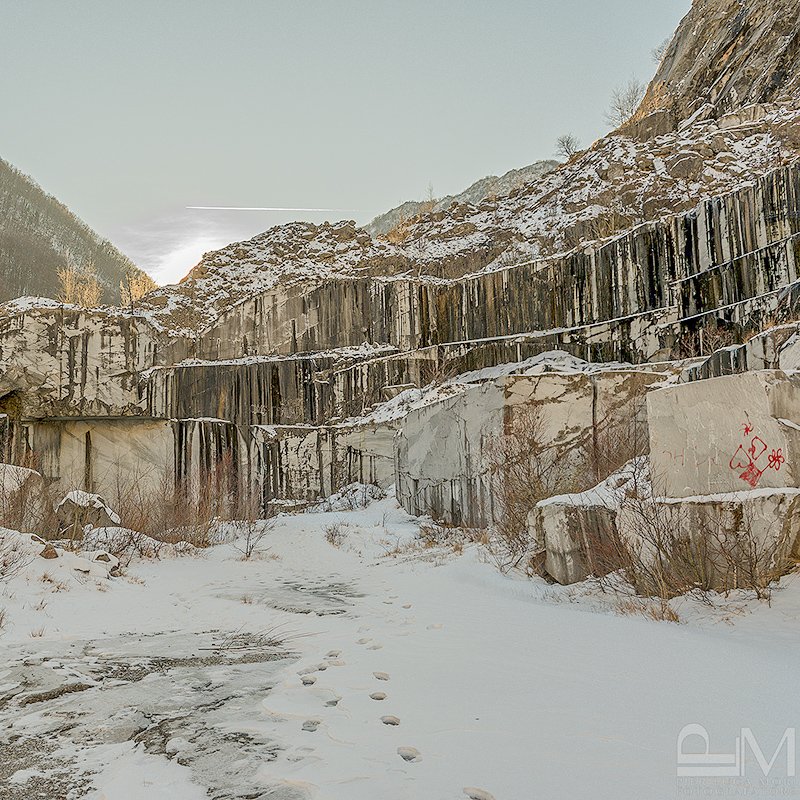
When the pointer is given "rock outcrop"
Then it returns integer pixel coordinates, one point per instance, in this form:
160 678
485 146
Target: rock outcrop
728 55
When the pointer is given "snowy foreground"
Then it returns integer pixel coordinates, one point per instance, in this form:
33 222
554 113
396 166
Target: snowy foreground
405 672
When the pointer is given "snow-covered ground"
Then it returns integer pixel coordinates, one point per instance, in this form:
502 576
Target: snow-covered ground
311 670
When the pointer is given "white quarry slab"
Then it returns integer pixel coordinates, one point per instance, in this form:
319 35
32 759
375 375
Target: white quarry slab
725 434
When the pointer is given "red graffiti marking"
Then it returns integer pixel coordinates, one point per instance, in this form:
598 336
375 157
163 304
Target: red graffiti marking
776 458
749 453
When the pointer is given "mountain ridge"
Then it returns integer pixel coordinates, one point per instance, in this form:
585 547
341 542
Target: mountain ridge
474 193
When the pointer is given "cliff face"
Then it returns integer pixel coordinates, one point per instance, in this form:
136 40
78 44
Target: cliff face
729 54
39 236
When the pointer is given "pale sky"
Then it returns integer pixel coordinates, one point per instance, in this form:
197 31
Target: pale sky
129 112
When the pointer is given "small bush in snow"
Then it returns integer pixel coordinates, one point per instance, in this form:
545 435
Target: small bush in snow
334 533
249 535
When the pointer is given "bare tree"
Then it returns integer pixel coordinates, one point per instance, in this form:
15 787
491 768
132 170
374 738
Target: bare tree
429 203
80 286
659 52
625 101
134 287
567 146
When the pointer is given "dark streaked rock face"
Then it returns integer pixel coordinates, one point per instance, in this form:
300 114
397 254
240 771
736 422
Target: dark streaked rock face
730 54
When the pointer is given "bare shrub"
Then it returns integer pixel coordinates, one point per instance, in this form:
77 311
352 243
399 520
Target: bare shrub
659 611
451 537
250 534
334 533
190 512
744 557
13 557
669 549
658 52
524 467
567 146
134 287
527 464
80 286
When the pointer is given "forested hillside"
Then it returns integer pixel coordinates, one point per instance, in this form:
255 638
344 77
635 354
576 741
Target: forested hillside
40 236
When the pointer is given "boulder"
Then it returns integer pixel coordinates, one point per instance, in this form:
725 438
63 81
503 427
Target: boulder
686 166
578 540
727 434
658 123
81 509
736 538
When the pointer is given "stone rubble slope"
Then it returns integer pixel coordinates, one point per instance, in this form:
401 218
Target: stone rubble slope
490 186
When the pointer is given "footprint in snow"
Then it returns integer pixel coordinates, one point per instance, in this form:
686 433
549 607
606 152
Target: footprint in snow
311 725
378 696
333 703
381 676
364 641
308 680
477 794
375 646
407 605
390 720
409 754
333 654
310 670
337 662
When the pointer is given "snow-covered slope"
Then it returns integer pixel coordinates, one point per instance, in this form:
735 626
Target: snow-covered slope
170 682
490 186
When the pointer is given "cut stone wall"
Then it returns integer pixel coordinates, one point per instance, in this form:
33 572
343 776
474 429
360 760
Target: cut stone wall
726 434
68 362
136 456
729 250
310 463
442 450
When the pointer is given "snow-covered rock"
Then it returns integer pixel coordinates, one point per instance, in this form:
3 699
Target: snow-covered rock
79 509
